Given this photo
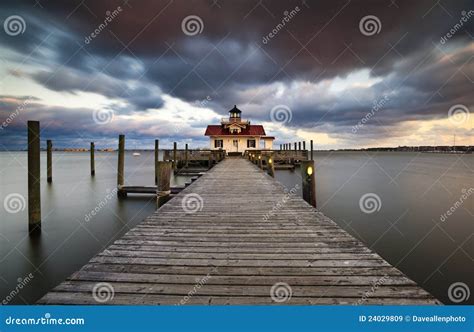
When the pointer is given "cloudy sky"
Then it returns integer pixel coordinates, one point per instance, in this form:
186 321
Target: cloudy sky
346 74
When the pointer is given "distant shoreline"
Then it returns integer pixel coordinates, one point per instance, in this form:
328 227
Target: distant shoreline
466 149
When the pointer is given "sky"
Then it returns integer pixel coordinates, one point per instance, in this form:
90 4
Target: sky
346 74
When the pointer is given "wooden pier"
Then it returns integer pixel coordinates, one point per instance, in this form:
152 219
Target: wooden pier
233 237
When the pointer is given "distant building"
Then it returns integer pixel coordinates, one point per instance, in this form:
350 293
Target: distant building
237 135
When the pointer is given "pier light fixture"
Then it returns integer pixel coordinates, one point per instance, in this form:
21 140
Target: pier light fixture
309 170
270 160
259 157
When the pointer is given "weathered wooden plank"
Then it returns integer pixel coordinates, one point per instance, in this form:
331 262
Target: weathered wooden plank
246 290
240 262
124 299
245 271
111 252
239 280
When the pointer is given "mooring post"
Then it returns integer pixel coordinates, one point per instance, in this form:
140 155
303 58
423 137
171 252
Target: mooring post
299 146
311 147
209 163
92 159
157 157
270 166
295 146
309 183
49 160
304 145
34 185
260 161
121 166
163 189
186 155
175 152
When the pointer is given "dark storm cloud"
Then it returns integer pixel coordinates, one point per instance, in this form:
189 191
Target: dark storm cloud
143 53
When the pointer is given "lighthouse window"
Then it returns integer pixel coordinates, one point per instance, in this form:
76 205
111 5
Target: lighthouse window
218 143
251 143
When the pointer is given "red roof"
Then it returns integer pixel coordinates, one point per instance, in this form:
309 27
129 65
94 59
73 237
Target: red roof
250 130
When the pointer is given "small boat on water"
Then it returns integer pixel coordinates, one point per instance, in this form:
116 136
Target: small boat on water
136 154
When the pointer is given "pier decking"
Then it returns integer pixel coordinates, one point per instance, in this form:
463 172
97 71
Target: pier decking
243 236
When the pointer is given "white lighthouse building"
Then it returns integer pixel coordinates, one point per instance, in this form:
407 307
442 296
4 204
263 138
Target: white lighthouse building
235 135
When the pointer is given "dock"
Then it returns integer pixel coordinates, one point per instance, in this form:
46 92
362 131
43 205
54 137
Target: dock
235 236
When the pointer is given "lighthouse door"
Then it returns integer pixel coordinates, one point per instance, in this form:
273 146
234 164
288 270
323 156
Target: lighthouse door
235 145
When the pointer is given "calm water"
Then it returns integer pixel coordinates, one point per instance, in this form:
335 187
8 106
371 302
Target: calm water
415 190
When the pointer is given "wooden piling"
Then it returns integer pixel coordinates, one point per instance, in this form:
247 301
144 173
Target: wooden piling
295 146
121 166
163 188
175 161
260 161
34 174
299 146
157 154
92 159
309 183
211 158
304 145
311 147
49 160
270 166
186 156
